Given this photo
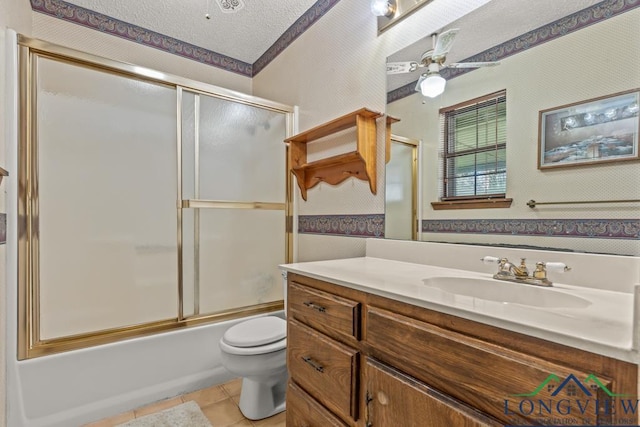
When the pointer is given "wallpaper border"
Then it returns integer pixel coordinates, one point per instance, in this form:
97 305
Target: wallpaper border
364 225
372 225
302 24
97 21
104 23
115 27
624 229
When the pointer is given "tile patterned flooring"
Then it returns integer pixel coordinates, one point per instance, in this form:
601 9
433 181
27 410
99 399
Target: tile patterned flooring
219 404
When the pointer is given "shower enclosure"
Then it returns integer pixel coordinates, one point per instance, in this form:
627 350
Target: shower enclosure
147 202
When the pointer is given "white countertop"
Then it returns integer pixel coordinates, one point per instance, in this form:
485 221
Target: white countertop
604 326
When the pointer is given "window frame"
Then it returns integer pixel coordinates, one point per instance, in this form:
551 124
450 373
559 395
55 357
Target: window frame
476 200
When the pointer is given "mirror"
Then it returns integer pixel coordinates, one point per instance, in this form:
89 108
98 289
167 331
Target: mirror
394 11
553 56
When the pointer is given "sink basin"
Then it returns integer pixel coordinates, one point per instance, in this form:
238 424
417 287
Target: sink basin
507 292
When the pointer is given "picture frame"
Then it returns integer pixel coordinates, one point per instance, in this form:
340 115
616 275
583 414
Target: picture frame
594 131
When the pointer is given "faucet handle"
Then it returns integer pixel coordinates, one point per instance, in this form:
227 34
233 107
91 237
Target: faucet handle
523 267
540 273
560 267
490 260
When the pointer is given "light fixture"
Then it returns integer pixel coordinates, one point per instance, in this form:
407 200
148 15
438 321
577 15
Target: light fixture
431 83
383 7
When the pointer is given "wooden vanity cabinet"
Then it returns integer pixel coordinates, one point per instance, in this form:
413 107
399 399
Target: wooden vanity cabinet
387 363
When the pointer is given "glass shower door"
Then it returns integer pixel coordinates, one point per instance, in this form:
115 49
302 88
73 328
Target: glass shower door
145 204
233 216
106 190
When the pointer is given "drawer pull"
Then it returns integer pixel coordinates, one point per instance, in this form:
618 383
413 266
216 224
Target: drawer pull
313 363
320 308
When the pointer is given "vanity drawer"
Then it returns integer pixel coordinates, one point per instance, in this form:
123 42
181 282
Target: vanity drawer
323 311
481 374
324 368
304 411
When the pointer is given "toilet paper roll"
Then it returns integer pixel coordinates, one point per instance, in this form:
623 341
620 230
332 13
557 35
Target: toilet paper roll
490 259
560 267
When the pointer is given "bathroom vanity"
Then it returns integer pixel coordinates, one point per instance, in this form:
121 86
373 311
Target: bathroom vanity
371 342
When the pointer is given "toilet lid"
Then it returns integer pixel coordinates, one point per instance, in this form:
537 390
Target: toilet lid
256 332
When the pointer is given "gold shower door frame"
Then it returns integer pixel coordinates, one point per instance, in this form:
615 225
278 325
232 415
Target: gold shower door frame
29 342
413 144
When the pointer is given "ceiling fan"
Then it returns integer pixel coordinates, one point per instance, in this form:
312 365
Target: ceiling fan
431 83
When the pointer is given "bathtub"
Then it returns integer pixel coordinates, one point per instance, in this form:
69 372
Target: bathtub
81 386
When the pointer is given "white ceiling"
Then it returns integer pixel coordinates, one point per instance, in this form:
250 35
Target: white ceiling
490 25
244 35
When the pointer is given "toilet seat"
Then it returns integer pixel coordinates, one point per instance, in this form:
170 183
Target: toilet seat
248 351
256 336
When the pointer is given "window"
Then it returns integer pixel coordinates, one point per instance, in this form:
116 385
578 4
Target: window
474 149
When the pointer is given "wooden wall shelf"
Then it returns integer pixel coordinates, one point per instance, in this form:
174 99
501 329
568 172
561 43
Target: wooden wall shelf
360 163
3 173
387 137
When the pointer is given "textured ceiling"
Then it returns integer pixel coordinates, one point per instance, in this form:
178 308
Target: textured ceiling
486 27
244 35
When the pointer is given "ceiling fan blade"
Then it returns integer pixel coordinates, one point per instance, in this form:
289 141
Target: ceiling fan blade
444 43
401 67
472 64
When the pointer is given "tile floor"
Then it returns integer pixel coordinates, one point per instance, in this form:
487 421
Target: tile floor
219 403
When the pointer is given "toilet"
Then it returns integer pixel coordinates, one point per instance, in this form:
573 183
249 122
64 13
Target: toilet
256 351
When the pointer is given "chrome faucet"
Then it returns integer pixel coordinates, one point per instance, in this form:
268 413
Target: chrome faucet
520 273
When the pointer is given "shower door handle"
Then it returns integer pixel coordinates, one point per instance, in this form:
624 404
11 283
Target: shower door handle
320 308
315 365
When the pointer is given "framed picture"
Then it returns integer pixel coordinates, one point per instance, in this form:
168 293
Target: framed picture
594 131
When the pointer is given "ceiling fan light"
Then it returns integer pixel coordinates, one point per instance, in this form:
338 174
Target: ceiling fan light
433 85
383 7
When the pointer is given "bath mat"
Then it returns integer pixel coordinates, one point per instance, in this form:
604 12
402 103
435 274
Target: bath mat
185 415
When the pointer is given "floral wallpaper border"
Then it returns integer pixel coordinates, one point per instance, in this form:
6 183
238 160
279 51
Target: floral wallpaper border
302 24
627 229
372 225
563 26
106 24
100 22
367 225
97 21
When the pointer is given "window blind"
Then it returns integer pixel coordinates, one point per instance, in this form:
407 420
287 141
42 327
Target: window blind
474 148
